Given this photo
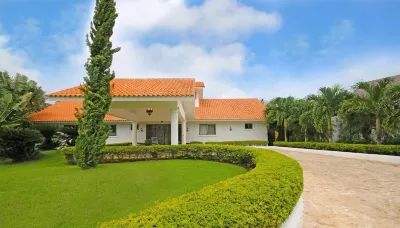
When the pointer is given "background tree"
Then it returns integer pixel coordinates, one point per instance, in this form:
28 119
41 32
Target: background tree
11 108
375 99
326 105
304 109
18 86
92 130
279 110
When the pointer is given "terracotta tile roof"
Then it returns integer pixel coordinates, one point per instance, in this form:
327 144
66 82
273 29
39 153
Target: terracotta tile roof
230 109
63 111
144 87
200 84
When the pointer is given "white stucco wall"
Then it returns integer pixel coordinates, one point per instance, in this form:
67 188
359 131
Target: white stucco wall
259 131
124 134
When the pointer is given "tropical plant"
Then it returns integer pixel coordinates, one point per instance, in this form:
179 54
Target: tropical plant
20 85
326 106
279 110
11 108
19 144
378 100
92 130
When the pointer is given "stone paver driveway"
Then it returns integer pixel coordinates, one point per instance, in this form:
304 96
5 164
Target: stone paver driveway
347 192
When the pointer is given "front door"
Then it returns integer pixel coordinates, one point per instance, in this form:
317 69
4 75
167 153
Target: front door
161 131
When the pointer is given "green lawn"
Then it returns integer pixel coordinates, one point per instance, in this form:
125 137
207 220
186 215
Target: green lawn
47 193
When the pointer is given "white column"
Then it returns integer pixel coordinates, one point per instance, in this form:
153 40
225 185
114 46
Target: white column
134 134
183 132
174 126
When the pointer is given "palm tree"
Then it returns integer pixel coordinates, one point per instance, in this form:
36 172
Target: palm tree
326 106
279 110
305 118
374 99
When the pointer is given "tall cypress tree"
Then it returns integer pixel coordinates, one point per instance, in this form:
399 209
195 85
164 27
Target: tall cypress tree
92 130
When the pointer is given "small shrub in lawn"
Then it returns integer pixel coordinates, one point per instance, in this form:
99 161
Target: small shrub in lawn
263 197
355 148
20 144
241 143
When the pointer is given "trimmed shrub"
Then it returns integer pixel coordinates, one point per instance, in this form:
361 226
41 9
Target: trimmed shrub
242 143
355 148
196 142
20 144
120 144
263 197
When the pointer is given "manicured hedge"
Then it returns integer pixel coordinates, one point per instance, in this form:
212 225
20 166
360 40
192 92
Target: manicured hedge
196 142
120 144
356 148
262 197
241 143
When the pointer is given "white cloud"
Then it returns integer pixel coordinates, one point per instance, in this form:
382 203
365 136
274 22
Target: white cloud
363 67
217 65
15 61
223 19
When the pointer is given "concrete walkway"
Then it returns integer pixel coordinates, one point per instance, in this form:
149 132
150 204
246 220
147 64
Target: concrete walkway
348 192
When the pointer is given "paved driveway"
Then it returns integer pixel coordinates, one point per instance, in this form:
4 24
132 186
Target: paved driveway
347 192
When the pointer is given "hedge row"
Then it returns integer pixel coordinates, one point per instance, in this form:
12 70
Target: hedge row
120 144
241 143
262 197
356 148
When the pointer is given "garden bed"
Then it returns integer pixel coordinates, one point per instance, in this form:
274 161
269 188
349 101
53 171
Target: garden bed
263 197
342 147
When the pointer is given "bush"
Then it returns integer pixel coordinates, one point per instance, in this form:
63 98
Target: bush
242 143
262 197
196 142
48 131
20 144
148 142
356 148
120 144
66 136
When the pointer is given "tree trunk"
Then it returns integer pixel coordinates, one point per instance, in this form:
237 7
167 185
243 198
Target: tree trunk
330 129
305 135
378 130
285 129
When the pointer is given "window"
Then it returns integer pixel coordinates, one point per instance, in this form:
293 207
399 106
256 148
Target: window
248 126
207 129
113 131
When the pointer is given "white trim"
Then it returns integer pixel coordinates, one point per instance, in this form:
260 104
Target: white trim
171 98
295 219
181 110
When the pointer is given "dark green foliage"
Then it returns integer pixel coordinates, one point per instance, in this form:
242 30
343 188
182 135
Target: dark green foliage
19 144
18 86
93 132
148 142
48 131
196 142
263 197
356 148
241 143
120 144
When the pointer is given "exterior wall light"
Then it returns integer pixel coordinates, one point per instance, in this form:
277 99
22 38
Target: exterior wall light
187 129
230 128
149 111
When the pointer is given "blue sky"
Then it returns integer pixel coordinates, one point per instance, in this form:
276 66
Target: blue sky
252 48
